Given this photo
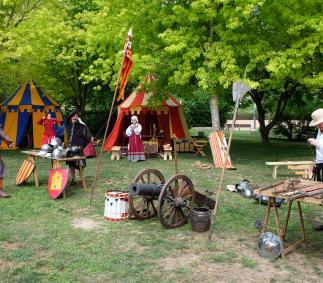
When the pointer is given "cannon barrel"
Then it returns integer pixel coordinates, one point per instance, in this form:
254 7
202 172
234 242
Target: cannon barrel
151 189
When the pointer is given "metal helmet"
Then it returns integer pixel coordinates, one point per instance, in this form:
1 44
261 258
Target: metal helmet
245 189
45 149
58 153
74 151
269 245
56 142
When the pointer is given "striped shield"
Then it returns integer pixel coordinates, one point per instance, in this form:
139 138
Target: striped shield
27 167
219 147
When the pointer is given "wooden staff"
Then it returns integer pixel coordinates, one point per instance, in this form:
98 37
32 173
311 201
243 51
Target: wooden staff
226 156
175 139
106 131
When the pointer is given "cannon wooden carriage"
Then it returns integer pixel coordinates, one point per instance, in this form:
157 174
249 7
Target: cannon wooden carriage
172 200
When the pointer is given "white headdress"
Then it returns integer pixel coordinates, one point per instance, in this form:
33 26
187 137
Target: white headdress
134 118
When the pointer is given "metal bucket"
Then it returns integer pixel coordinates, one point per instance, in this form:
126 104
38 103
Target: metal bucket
201 219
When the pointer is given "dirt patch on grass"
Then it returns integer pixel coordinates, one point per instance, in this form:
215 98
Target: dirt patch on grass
237 260
86 223
11 246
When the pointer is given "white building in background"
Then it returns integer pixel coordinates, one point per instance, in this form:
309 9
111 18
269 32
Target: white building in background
244 125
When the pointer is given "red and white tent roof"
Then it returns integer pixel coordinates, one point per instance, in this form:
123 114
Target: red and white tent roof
142 98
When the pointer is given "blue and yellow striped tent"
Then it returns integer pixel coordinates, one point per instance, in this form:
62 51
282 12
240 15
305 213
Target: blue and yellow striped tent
21 111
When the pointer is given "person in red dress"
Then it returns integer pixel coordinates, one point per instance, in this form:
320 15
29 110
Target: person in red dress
48 122
135 146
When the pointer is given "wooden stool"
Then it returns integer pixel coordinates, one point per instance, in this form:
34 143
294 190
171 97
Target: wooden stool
199 144
116 153
167 152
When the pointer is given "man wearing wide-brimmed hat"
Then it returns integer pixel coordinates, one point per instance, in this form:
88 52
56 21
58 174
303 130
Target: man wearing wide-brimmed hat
317 121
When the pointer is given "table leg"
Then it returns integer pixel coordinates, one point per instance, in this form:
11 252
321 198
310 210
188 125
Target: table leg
278 228
275 171
31 158
36 177
287 219
202 152
267 215
82 176
300 214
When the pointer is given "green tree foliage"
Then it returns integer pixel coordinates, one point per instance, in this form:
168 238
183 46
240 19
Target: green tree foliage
74 49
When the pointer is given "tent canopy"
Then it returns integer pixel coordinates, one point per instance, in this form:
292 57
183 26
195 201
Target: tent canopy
21 111
167 117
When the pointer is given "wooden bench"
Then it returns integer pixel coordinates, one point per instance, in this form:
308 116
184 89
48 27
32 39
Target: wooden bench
305 170
116 153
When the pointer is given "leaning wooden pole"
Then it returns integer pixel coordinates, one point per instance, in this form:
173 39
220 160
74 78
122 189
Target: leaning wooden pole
98 165
226 157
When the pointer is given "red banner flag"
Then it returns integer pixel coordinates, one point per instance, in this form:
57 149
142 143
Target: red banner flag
126 66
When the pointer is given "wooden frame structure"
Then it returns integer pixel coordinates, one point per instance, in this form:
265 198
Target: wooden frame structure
56 164
282 231
276 164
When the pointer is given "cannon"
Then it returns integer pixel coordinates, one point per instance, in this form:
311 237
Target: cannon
172 200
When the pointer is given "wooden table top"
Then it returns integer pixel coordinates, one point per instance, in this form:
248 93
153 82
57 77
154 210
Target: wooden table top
34 153
270 193
291 163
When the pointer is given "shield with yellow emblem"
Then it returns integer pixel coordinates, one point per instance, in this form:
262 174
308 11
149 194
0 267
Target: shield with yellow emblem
57 182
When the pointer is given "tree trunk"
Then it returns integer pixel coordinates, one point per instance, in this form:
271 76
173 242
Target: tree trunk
214 106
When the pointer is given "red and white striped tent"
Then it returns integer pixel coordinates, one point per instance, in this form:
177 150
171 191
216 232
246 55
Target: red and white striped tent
168 117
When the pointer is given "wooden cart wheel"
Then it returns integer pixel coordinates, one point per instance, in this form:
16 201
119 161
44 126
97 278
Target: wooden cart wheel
175 202
144 207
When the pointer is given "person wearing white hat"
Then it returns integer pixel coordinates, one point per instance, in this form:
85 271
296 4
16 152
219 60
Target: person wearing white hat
317 121
135 146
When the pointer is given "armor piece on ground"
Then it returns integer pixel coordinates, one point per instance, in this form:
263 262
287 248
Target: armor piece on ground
264 200
269 245
245 189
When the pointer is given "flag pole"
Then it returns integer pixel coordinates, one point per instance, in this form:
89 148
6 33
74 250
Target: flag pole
98 165
226 157
237 96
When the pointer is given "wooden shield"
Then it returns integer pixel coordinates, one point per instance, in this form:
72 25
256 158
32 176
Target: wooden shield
57 182
27 167
219 147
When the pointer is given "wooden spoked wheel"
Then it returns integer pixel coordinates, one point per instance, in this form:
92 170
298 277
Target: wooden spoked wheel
144 207
175 202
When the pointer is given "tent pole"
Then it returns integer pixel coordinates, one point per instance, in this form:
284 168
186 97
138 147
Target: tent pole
98 165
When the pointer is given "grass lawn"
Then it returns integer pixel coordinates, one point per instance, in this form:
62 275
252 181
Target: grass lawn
40 240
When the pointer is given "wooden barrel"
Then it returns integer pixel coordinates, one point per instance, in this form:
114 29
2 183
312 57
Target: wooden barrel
201 219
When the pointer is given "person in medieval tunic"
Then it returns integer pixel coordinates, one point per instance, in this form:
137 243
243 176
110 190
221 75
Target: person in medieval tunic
10 144
78 135
48 122
135 146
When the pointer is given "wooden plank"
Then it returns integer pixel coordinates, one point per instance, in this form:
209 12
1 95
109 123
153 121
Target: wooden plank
273 163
